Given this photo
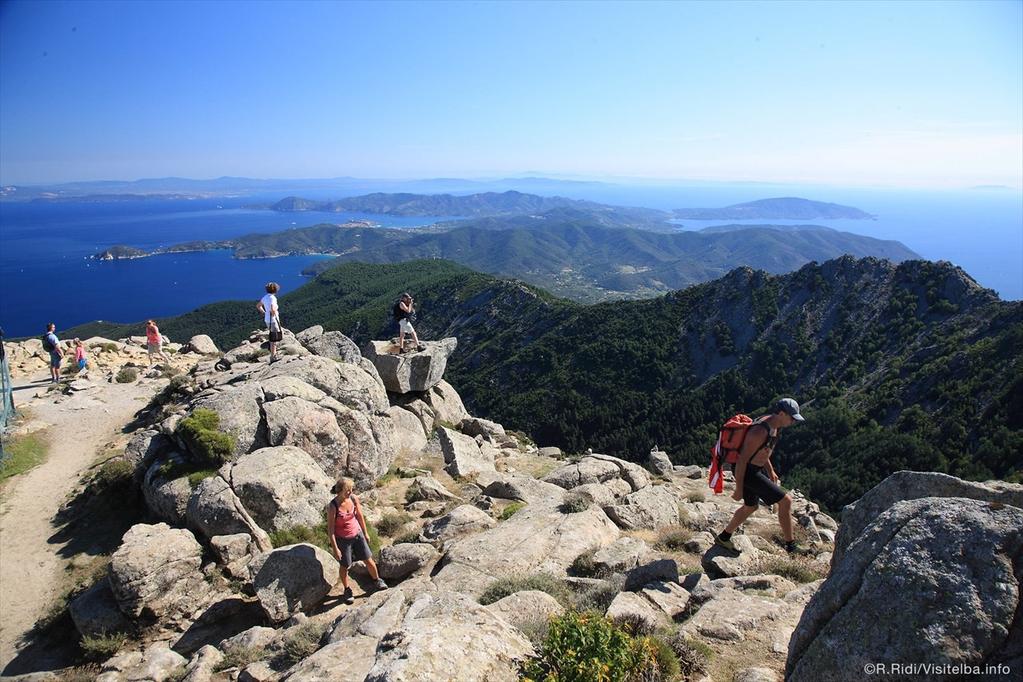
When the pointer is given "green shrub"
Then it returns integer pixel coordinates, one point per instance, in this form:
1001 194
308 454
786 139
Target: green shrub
200 433
582 566
696 497
315 535
300 642
197 477
239 657
411 536
796 570
673 538
510 510
573 503
170 372
582 647
103 646
657 660
392 522
115 474
502 587
373 539
126 375
598 597
108 347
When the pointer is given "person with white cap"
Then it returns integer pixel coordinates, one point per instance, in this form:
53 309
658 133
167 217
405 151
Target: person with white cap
755 478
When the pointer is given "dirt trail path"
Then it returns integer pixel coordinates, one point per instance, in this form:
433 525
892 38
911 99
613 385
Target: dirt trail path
31 565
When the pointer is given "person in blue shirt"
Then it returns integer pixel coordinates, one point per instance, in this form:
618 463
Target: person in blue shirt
52 344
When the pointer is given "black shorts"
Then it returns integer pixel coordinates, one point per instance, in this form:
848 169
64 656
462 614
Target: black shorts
275 331
357 547
757 485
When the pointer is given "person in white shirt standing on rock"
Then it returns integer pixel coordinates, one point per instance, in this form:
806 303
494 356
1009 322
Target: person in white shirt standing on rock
272 316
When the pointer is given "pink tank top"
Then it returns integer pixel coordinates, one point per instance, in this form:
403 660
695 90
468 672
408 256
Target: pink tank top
346 524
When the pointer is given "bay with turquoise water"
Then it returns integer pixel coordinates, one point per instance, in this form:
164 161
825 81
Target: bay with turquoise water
48 274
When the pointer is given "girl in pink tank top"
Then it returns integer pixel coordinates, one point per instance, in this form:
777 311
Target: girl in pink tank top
347 530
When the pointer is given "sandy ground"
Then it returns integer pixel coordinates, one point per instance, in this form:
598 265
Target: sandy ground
32 564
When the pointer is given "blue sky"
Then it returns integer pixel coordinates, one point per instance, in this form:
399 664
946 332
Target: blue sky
910 94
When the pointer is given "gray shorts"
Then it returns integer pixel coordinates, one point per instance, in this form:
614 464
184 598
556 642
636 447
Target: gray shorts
357 547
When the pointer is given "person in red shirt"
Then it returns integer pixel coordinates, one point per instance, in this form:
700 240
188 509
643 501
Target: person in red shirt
154 342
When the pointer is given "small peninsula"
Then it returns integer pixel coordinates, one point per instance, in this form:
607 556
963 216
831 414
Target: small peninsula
782 208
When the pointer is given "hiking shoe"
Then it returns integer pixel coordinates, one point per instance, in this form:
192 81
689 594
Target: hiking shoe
420 348
381 585
727 544
347 597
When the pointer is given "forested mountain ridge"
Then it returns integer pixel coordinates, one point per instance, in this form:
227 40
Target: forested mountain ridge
909 366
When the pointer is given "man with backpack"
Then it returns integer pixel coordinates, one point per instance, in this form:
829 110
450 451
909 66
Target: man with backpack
755 478
405 314
51 344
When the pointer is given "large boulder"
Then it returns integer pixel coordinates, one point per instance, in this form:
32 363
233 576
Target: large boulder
398 562
96 612
239 409
333 345
461 520
418 371
349 659
428 489
447 635
545 541
659 463
292 578
296 422
524 488
731 615
651 507
463 454
526 608
631 607
165 496
158 663
202 344
477 426
409 436
281 487
156 571
214 509
445 403
586 470
347 383
144 448
622 555
948 566
911 485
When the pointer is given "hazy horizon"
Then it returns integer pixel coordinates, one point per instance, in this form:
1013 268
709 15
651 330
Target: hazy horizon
853 94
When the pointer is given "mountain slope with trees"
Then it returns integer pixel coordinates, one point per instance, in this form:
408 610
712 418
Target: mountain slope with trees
909 366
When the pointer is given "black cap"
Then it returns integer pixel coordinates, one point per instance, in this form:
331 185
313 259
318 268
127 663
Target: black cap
789 407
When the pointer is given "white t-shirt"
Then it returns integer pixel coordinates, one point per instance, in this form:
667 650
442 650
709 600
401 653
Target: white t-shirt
269 304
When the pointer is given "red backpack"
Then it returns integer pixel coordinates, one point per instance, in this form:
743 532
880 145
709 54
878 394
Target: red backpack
726 449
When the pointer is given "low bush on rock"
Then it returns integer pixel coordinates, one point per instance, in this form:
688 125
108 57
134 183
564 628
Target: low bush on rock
586 646
575 503
510 510
239 657
393 522
598 597
409 537
114 476
200 431
797 569
544 582
102 647
126 375
583 566
692 655
299 643
313 535
673 538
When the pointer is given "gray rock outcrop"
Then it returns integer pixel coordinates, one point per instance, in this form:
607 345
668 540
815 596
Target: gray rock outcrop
156 571
292 578
281 487
948 566
202 344
416 371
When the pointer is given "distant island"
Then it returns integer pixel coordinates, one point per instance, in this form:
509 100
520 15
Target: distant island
584 254
109 198
782 208
287 243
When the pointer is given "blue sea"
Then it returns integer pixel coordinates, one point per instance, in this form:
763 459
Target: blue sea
48 275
